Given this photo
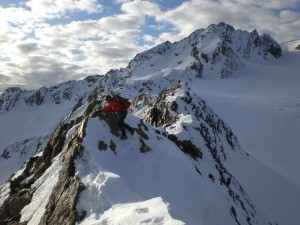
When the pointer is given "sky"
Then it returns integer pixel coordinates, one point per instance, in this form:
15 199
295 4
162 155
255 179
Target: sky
46 42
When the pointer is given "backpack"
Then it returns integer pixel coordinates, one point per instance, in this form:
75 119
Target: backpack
124 102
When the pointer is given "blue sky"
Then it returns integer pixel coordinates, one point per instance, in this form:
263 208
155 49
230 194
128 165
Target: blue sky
45 42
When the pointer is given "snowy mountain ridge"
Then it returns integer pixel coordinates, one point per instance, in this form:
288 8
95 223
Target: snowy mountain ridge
86 138
56 94
219 48
77 171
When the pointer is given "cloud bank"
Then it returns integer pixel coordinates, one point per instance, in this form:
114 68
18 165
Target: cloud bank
45 42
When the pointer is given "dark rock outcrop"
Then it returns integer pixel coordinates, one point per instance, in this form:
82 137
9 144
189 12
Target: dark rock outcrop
9 97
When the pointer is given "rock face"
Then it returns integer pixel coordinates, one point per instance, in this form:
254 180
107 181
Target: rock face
9 98
194 53
22 186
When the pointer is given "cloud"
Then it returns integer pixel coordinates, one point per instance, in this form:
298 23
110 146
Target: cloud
27 48
54 8
42 44
14 15
265 16
4 78
5 83
46 71
141 7
274 4
121 22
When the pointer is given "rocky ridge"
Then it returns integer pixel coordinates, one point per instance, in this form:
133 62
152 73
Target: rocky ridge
65 146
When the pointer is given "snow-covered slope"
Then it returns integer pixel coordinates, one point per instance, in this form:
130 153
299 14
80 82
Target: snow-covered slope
192 170
219 49
187 179
27 114
293 45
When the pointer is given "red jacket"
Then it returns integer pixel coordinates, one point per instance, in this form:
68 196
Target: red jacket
115 106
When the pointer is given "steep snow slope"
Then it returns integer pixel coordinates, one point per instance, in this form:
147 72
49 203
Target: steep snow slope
262 105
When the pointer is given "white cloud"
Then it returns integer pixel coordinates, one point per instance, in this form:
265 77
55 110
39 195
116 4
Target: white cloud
37 50
242 14
274 4
14 15
121 22
56 53
58 8
149 38
141 7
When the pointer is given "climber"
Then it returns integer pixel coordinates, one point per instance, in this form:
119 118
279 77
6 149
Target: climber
155 115
119 105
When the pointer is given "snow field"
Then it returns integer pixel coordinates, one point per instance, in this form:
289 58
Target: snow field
133 180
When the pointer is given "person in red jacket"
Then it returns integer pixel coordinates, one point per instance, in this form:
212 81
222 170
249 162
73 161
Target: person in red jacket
119 105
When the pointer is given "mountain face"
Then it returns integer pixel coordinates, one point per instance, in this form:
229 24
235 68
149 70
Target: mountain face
218 48
63 161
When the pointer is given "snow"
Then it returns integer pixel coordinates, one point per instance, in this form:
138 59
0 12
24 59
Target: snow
261 104
28 122
153 211
18 154
291 45
78 112
34 211
268 190
128 179
4 193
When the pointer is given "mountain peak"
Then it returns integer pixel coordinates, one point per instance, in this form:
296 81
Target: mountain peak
218 48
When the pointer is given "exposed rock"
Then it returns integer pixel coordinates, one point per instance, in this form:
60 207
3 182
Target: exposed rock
112 146
9 98
102 145
92 79
37 98
22 192
144 148
187 147
140 130
270 46
173 106
5 154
